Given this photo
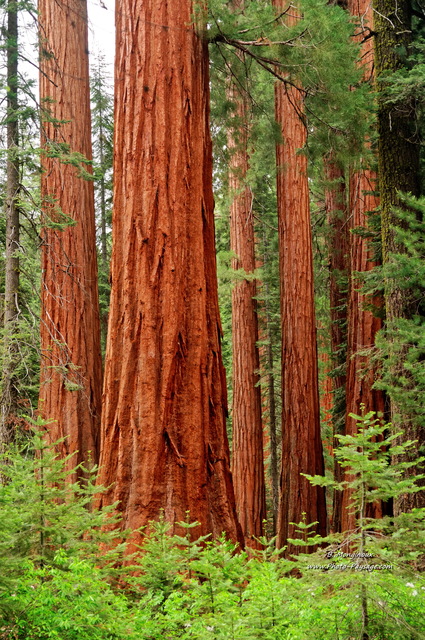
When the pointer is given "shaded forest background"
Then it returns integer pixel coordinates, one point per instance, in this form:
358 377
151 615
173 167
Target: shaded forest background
214 313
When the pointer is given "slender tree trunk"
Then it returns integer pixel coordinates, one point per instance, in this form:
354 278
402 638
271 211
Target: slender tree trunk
164 443
103 233
336 207
71 369
102 151
398 150
271 400
326 393
301 441
268 343
247 445
9 399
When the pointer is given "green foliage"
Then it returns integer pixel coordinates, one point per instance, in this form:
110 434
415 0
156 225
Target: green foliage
59 581
317 54
19 340
369 460
401 343
68 600
42 512
102 131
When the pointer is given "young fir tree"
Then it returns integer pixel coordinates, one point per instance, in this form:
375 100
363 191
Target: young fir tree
71 367
164 443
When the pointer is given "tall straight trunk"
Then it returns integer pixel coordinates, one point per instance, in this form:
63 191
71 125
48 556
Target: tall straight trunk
326 393
71 368
398 151
103 232
102 150
164 442
301 441
271 401
271 442
339 266
362 324
247 444
9 399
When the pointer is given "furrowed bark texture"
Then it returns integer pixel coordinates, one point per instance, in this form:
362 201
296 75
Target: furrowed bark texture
9 398
398 151
71 368
301 442
362 324
164 443
247 445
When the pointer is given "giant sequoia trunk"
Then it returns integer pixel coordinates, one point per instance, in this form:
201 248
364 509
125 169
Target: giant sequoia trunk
71 372
164 443
301 442
247 447
398 149
9 397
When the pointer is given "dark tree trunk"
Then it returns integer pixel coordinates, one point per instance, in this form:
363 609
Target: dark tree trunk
164 443
339 266
271 401
9 399
71 369
398 149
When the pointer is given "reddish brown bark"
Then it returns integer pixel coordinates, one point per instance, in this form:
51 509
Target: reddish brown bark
336 208
247 446
339 266
362 327
71 373
301 442
268 400
326 394
164 443
362 324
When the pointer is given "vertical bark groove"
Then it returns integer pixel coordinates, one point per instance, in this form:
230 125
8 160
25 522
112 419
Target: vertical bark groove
164 442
